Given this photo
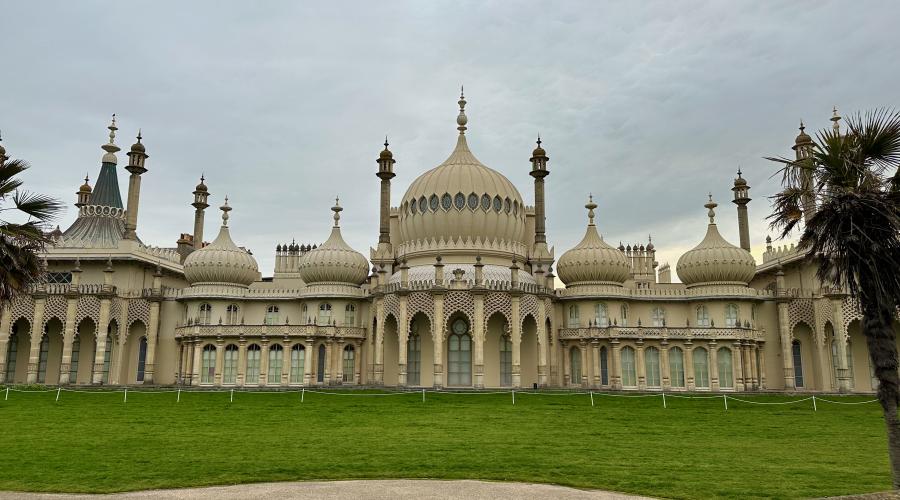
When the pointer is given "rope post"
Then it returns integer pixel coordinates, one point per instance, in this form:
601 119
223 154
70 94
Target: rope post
57 393
126 396
514 397
592 398
231 400
7 394
664 400
302 393
814 403
423 395
725 398
178 399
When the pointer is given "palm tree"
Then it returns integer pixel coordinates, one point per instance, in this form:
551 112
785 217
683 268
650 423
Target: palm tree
20 242
852 183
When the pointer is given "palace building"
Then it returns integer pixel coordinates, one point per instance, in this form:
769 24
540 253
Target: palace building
459 292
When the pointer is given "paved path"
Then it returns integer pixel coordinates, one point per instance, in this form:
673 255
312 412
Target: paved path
358 490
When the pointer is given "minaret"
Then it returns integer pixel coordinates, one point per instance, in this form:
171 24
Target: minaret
384 254
741 199
835 119
136 158
803 146
200 204
539 170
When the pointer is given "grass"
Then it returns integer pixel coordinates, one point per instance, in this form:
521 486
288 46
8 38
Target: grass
693 449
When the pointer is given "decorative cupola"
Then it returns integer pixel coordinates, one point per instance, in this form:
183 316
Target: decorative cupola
84 193
715 261
334 262
221 262
593 261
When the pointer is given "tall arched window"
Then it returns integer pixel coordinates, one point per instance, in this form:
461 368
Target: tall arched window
272 315
324 314
726 371
623 313
505 361
73 365
575 365
629 373
604 366
573 316
205 316
701 368
658 316
651 366
798 363
731 316
601 315
459 354
676 366
12 353
252 369
414 358
298 360
232 314
42 360
208 366
142 359
276 362
350 315
702 316
229 371
349 363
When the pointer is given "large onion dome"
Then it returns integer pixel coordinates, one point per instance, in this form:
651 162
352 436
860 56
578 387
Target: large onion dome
221 261
715 261
462 200
334 261
593 261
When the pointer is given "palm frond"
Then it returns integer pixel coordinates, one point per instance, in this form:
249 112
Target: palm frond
41 207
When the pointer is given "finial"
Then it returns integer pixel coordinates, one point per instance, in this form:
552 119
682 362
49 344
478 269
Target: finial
739 171
802 127
86 178
225 209
202 178
385 142
337 211
711 205
835 118
590 205
139 136
111 147
461 120
539 139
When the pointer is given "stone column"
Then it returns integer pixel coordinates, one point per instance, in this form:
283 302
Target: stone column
753 350
437 339
242 363
784 334
68 337
264 362
543 345
379 341
595 349
567 364
152 334
328 359
402 338
689 365
357 374
5 325
37 335
115 373
713 366
840 334
641 366
479 338
197 363
761 352
516 337
286 362
664 365
737 366
308 362
339 369
615 379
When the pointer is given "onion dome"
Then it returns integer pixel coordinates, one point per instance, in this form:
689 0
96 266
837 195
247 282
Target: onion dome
462 199
802 138
334 261
221 261
201 187
593 261
386 153
86 187
138 147
715 261
538 151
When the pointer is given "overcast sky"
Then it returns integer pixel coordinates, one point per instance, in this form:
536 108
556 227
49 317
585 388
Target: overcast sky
284 105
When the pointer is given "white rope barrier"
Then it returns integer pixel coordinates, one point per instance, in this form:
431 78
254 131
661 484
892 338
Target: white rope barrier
770 402
848 403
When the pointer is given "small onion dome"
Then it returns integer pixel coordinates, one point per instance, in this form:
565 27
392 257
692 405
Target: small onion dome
740 181
221 261
802 137
86 187
138 147
539 151
201 186
714 260
592 261
334 261
386 153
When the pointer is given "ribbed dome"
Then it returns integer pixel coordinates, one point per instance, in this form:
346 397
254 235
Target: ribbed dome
221 261
334 261
715 261
592 261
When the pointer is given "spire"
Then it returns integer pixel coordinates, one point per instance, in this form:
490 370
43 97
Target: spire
225 209
835 118
110 147
711 205
337 211
461 120
590 205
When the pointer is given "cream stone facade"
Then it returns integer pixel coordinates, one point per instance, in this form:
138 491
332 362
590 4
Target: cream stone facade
458 293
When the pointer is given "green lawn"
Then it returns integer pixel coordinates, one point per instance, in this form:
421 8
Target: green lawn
693 449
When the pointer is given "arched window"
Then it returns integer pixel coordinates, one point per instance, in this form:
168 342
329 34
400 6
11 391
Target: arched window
42 360
658 316
726 371
350 315
303 312
205 315
73 365
505 361
573 316
459 355
623 312
272 315
232 314
702 316
676 367
11 354
629 375
601 315
604 366
276 362
575 364
107 356
414 358
349 363
731 316
324 314
252 369
229 372
142 359
701 368
798 363
651 366
208 366
298 360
